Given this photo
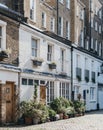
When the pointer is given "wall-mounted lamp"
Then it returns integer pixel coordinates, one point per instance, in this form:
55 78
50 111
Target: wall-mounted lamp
101 69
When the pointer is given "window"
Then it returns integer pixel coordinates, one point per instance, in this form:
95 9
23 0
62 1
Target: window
96 45
100 29
92 5
96 11
62 60
0 37
100 47
30 82
92 24
82 14
32 9
95 26
61 1
34 48
60 26
64 90
100 14
43 19
24 81
92 43
92 93
49 53
68 4
68 30
81 38
87 45
52 24
77 11
50 92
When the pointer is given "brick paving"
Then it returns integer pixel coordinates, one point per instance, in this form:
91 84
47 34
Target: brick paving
91 121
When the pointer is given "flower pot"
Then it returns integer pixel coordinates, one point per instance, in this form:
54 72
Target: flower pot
35 121
28 120
61 116
65 117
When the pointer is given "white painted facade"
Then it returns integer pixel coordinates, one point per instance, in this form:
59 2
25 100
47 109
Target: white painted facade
93 64
42 73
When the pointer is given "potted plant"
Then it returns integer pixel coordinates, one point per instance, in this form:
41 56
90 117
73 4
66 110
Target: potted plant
26 111
52 114
3 55
52 65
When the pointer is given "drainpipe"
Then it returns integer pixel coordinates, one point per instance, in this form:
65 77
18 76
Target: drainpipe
72 91
57 16
90 26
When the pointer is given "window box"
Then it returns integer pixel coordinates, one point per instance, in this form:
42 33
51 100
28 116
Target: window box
37 62
52 66
63 74
3 55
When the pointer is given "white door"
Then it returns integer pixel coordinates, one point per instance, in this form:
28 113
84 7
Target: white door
100 97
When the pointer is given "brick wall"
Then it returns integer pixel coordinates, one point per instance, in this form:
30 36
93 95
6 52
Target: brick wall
12 37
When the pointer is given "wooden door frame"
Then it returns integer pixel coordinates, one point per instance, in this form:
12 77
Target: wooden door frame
13 99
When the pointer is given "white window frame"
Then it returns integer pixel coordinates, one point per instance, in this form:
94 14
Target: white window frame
92 41
68 30
62 60
92 23
61 1
50 92
52 25
100 29
35 49
96 26
96 45
100 47
100 14
61 26
33 10
68 4
87 45
3 35
49 52
82 14
64 90
43 19
81 38
92 94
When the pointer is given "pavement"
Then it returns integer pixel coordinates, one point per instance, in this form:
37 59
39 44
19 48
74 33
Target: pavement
90 121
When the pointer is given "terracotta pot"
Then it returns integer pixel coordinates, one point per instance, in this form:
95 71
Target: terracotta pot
61 115
28 120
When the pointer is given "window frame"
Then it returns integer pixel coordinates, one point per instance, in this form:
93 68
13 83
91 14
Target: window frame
33 48
43 19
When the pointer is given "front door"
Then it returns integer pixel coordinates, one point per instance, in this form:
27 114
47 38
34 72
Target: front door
43 94
9 102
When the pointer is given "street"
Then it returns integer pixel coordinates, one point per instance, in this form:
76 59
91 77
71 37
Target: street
91 121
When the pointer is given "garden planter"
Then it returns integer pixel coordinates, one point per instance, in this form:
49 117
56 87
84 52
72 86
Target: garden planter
37 63
28 120
61 116
65 117
52 66
35 121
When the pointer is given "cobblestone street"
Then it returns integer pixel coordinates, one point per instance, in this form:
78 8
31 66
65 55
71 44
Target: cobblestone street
91 121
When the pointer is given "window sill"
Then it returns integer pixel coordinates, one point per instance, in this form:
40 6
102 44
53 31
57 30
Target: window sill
92 101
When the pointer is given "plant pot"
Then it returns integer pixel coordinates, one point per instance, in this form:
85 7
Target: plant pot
65 117
28 120
61 116
35 121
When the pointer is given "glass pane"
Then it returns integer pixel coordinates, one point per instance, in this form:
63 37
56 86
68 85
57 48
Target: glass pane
0 31
30 82
24 81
